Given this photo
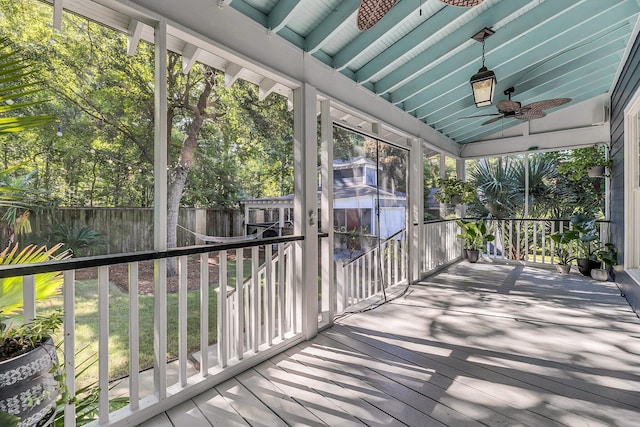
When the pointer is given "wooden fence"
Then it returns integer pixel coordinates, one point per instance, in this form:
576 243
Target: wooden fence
131 229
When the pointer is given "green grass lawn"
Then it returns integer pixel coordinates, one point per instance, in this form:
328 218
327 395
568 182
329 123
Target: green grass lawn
87 327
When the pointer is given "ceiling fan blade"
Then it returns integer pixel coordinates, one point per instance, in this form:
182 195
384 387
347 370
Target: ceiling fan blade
462 3
495 119
372 11
529 114
507 105
546 104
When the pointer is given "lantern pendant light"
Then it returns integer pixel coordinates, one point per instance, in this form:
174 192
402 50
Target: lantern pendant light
483 83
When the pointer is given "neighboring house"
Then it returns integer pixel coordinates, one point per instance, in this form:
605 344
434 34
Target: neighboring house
356 198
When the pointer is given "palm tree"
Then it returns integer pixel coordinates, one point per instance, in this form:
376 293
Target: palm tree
15 85
497 188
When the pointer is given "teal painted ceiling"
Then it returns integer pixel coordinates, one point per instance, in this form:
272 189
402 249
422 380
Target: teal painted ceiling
420 56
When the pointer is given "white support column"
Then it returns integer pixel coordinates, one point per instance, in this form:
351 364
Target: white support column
415 214
443 175
326 210
160 210
57 14
461 173
305 209
526 185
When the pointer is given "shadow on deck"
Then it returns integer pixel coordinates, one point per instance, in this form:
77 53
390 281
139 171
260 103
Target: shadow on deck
477 344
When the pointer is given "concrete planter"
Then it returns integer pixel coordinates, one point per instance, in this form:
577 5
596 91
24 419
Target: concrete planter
27 388
563 268
600 274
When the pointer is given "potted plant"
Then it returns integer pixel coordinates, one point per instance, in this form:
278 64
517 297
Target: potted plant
590 161
29 368
455 191
475 236
607 256
562 250
587 243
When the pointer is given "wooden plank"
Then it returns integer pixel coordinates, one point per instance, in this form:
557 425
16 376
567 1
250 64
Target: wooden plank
161 420
359 380
422 381
361 366
187 414
459 379
346 399
295 387
568 386
291 412
248 405
217 410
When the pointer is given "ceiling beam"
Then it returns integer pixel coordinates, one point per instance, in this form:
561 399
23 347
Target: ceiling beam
558 70
554 81
511 68
343 14
547 141
392 20
416 42
415 68
281 14
508 40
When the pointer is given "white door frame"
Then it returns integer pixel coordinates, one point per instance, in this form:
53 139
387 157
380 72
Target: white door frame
632 186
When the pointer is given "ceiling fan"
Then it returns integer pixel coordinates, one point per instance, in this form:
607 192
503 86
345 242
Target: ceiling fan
509 108
372 11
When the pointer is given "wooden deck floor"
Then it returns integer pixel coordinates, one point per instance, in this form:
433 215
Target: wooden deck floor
480 344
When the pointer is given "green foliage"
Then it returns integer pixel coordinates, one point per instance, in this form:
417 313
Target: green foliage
563 241
8 420
497 188
474 233
16 83
46 284
34 333
453 189
501 189
76 240
607 254
586 228
577 163
86 398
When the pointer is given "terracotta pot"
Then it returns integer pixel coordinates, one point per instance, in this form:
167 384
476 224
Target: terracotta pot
600 274
27 388
472 255
563 268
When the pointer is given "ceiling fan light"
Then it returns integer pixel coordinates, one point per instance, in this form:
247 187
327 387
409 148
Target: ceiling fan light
483 85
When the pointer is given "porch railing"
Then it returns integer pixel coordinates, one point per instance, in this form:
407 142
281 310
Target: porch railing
256 319
371 272
528 239
440 245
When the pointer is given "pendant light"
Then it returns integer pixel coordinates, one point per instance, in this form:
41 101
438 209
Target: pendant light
483 83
